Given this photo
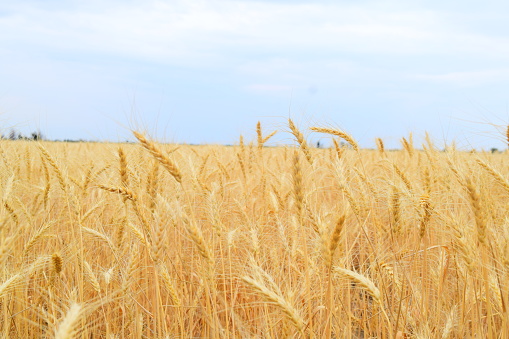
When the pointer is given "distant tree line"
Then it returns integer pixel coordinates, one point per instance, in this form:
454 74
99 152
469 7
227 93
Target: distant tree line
15 135
34 136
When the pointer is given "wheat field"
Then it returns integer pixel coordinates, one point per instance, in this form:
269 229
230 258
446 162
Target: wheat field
148 240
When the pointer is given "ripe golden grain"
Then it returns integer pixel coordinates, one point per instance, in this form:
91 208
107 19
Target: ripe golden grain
57 262
380 145
343 135
126 193
364 282
475 201
159 155
277 299
146 257
301 140
66 328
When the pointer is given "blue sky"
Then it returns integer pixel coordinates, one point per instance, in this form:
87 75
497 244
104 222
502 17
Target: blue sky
207 71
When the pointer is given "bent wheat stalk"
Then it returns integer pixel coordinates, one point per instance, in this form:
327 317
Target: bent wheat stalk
126 193
366 284
275 298
347 137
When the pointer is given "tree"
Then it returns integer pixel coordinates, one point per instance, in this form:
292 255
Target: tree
37 135
12 135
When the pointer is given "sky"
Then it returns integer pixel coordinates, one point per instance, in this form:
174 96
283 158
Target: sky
207 71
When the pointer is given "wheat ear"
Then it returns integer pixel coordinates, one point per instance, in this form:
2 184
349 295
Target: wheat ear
475 202
297 184
66 329
407 145
331 241
364 282
160 156
275 298
259 134
380 145
126 193
337 147
56 259
124 175
7 285
507 135
197 237
163 271
495 174
403 177
426 214
91 278
55 167
347 137
300 139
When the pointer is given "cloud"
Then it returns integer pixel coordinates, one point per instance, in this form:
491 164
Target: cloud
220 31
469 78
220 56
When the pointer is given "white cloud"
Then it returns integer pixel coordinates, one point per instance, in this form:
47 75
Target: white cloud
468 79
218 31
214 56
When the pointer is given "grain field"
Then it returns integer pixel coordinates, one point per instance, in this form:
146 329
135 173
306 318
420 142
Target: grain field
149 240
